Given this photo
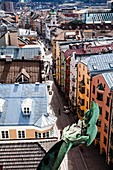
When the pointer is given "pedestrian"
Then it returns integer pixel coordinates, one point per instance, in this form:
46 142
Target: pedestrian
59 111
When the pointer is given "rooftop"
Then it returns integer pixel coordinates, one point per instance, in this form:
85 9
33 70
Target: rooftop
109 79
14 95
18 53
99 63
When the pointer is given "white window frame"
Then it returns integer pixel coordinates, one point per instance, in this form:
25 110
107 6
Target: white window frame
26 110
5 135
38 135
21 135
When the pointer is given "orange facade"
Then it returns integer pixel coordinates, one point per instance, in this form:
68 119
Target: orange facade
83 89
100 93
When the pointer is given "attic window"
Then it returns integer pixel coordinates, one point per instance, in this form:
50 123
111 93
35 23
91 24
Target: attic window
27 106
111 65
94 67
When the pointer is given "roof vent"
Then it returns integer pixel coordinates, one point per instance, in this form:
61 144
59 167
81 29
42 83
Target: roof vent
16 83
8 58
37 83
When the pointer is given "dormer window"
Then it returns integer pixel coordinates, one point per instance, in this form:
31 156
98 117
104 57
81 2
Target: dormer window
27 106
23 76
2 101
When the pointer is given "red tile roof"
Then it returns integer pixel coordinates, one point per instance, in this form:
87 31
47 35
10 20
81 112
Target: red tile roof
88 50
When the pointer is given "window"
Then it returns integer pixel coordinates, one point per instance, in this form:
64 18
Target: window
105 128
82 90
51 132
106 115
37 135
83 77
73 88
21 134
111 152
73 98
26 110
27 106
98 136
82 102
99 96
100 87
47 134
87 81
73 79
98 81
99 123
81 112
87 93
87 104
44 135
93 99
22 79
5 134
93 89
100 108
83 67
79 74
108 101
105 140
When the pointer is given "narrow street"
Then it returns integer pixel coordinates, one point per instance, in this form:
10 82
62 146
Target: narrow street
80 157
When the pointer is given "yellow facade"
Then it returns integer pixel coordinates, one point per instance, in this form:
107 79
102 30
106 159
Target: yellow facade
53 49
12 133
29 133
83 89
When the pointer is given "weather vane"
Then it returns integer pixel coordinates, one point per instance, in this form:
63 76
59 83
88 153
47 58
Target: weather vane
84 132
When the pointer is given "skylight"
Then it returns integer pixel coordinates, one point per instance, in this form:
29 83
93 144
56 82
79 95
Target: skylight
94 67
111 65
